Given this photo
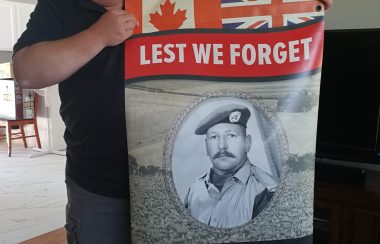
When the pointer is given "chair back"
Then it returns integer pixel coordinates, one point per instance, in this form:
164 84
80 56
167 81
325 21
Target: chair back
35 105
19 124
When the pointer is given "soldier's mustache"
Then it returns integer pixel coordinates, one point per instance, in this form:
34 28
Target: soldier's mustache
220 154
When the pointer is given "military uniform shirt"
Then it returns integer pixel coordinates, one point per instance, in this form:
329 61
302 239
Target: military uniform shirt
230 207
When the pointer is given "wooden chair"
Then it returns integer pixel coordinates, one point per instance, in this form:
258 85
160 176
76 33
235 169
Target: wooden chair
18 125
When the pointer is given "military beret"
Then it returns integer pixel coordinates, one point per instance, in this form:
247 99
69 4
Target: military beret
231 114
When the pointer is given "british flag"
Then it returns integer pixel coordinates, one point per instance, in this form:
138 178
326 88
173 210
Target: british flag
227 14
256 14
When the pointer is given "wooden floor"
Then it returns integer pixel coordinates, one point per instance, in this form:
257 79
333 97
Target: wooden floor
54 237
32 192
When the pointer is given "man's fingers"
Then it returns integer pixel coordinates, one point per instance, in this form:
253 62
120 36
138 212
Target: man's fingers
131 19
130 24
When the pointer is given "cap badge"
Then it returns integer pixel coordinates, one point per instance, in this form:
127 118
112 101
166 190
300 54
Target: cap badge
235 116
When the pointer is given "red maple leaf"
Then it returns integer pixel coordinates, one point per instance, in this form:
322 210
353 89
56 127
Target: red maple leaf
168 20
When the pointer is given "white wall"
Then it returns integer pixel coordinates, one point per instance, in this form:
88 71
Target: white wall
353 14
5 56
56 125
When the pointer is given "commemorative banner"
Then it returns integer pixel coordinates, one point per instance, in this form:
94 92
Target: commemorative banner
221 105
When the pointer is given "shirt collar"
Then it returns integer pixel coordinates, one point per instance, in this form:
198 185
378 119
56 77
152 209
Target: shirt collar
244 172
90 5
242 175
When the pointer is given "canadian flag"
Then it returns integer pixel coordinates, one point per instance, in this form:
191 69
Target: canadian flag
159 15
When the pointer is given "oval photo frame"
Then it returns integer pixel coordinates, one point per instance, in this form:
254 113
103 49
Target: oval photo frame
185 154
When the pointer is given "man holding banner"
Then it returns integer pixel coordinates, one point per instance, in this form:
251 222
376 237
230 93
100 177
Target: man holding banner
79 44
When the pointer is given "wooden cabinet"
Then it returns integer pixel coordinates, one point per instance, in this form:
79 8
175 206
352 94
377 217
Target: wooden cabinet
345 215
13 19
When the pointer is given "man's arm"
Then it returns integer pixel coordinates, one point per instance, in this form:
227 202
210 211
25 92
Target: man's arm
47 63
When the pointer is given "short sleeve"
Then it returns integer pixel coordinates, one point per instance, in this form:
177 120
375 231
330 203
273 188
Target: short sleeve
45 24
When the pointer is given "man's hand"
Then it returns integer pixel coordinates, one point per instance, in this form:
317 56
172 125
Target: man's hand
114 27
47 63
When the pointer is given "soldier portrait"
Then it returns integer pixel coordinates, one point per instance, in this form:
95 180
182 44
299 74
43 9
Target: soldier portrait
224 175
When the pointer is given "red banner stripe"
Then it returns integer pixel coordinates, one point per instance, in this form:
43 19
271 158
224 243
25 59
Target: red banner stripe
262 54
209 17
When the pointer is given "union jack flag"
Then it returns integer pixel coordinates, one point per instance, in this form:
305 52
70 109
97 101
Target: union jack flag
256 14
228 14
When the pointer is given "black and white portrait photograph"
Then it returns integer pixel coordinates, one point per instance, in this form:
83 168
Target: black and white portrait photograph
225 161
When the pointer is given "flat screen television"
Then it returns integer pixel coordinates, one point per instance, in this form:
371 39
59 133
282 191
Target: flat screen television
349 105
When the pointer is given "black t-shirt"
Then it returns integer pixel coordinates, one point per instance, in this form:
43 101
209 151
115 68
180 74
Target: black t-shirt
92 99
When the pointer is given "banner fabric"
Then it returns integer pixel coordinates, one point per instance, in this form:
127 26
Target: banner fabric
221 108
